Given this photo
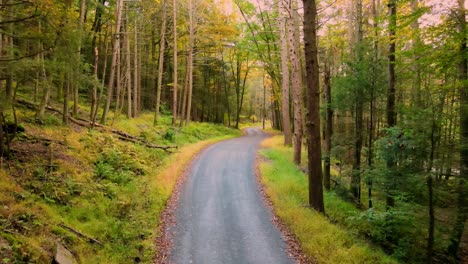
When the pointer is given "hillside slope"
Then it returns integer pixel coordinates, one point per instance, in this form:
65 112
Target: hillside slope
88 190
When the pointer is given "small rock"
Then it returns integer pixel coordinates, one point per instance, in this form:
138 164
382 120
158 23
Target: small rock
63 255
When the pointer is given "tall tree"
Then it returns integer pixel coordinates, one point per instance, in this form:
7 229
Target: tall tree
328 124
282 23
190 60
162 47
312 103
359 109
128 63
391 111
175 80
114 64
296 75
463 90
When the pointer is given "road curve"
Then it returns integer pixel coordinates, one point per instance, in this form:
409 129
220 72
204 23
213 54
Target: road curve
220 216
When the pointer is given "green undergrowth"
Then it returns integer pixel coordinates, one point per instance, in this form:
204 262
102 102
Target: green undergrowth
102 187
320 239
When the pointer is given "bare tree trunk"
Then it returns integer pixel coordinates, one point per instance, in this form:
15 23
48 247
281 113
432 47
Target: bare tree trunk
174 103
328 126
46 87
375 7
94 104
101 91
136 71
296 76
284 72
183 96
313 104
115 51
190 60
66 93
416 43
128 64
359 109
120 84
391 113
162 48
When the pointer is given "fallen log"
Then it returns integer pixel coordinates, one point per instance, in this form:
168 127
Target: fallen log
78 233
89 124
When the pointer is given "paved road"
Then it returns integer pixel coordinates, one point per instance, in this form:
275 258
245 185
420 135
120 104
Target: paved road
220 216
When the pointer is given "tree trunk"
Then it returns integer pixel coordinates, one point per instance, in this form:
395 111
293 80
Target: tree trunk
46 87
174 98
101 90
128 64
416 44
328 126
313 104
190 60
226 91
183 96
94 101
391 113
284 72
136 71
359 109
66 93
162 48
115 51
375 7
462 181
296 76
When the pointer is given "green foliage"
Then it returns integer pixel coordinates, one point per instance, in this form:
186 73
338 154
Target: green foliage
117 167
169 135
341 241
50 120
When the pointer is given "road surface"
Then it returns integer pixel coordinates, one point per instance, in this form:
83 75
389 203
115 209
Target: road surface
220 216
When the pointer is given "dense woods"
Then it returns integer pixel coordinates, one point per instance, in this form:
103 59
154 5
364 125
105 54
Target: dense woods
374 90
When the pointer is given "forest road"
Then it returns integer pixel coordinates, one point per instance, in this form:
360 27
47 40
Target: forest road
220 216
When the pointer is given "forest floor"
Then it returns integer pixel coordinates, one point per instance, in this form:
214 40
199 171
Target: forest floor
88 190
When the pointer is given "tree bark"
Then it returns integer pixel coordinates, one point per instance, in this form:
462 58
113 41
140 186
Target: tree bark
416 44
359 109
115 51
296 77
136 70
284 72
190 60
94 104
375 7
328 126
391 113
162 48
174 98
313 103
65 99
128 64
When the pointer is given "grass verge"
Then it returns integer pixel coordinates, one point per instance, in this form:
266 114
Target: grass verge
105 188
321 240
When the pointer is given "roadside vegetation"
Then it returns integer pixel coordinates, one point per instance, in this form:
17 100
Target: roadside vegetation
99 196
338 238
